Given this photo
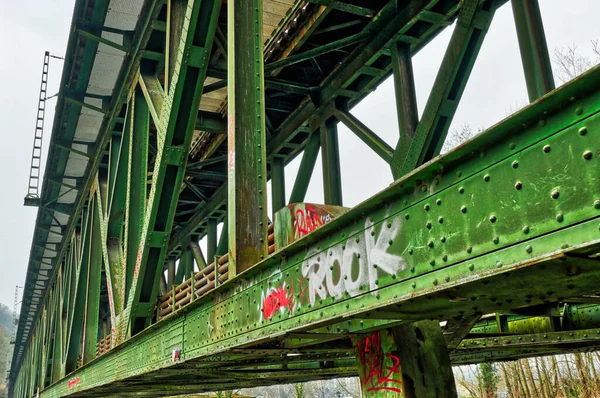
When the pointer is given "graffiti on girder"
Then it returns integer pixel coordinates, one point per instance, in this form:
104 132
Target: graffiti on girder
278 300
380 370
73 383
346 267
309 219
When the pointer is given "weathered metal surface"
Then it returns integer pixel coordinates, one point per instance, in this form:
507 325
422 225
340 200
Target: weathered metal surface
246 142
398 362
533 47
465 235
297 220
480 265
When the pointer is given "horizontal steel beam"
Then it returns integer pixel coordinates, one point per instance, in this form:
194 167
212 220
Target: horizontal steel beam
436 244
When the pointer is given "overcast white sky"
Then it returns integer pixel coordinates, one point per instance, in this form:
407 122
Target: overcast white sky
29 27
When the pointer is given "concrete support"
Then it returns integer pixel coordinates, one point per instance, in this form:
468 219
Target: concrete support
409 361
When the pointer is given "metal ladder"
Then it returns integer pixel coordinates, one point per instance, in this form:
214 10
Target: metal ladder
15 315
33 190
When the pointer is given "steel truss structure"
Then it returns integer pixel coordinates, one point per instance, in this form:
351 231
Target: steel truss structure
172 116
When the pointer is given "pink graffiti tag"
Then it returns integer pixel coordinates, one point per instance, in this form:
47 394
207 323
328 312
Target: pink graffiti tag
276 300
307 222
73 383
376 376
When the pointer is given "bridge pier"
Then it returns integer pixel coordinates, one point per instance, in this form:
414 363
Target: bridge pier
405 361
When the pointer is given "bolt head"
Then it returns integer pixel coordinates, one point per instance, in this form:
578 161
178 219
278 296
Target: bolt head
555 194
519 185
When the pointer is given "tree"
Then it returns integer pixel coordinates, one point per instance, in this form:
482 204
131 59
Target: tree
4 350
6 318
571 62
457 137
299 389
488 379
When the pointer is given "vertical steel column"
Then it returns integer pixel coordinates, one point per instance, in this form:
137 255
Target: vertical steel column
406 101
307 166
92 311
223 240
277 183
533 47
211 237
137 179
75 330
405 361
198 256
247 203
189 262
170 272
332 179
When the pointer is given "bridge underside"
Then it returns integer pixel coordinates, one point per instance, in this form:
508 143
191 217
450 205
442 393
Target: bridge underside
489 252
325 349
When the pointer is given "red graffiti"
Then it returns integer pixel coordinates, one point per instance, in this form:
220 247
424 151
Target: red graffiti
276 300
376 376
307 222
73 383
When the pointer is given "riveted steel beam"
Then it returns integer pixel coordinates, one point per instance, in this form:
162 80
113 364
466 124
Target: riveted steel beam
533 47
315 52
501 348
379 146
247 168
277 183
343 6
307 165
330 155
420 253
174 139
471 27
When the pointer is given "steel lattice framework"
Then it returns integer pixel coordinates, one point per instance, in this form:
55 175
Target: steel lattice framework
172 117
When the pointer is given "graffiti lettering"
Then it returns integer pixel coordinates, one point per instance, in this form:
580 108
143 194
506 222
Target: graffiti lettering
375 374
277 299
307 222
345 269
73 383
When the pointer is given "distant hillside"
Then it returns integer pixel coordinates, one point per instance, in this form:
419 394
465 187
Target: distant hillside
5 317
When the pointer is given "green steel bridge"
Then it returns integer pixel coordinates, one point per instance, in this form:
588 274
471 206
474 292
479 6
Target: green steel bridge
489 252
